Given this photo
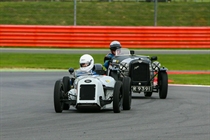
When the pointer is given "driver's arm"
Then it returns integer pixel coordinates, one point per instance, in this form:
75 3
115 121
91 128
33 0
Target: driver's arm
107 60
106 64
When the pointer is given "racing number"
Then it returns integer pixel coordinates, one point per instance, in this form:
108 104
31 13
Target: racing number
141 88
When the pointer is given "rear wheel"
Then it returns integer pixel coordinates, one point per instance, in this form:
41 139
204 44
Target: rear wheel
114 75
66 88
163 85
117 96
58 91
126 89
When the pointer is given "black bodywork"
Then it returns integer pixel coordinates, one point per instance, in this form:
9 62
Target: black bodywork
145 72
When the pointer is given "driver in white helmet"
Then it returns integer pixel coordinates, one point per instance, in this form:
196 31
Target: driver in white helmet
86 62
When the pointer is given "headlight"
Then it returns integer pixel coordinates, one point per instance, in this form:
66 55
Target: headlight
155 65
124 68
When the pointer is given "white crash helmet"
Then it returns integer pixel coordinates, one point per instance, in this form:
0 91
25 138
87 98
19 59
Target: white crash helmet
87 60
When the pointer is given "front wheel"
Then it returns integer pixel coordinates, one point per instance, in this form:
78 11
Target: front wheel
126 93
117 97
66 85
58 91
163 85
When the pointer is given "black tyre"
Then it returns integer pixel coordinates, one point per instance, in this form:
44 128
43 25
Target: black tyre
114 75
117 97
163 85
147 94
58 91
126 89
66 88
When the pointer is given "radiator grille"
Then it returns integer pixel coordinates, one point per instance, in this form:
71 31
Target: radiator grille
87 92
140 72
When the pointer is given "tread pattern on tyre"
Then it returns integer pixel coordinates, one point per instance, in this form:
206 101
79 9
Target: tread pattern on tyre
58 105
126 93
163 85
66 83
116 97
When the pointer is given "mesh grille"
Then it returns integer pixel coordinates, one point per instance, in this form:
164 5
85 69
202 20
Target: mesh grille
140 72
87 92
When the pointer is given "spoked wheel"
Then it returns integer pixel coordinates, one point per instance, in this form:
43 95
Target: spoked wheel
117 97
126 89
163 85
66 88
58 92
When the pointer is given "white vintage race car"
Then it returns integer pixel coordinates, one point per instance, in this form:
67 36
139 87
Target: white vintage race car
92 91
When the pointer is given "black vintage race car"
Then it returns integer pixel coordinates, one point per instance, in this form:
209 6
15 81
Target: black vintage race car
146 73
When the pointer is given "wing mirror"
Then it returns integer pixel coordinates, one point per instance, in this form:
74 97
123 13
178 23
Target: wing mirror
132 52
71 70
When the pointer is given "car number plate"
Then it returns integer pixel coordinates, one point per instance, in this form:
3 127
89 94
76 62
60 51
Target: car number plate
141 88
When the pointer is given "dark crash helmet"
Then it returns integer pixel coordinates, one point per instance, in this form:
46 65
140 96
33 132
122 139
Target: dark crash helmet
115 45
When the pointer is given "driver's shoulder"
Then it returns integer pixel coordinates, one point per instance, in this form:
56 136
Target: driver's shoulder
109 54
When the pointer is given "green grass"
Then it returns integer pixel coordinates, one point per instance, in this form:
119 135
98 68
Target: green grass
57 61
105 13
185 61
202 79
64 61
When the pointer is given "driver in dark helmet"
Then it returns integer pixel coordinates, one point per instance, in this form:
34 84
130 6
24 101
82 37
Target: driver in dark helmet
114 45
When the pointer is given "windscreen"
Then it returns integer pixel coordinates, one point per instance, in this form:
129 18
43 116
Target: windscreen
122 51
82 73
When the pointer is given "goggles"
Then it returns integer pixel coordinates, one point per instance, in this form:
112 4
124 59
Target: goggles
84 64
113 49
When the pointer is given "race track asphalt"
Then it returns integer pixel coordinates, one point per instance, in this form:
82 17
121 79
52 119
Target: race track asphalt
27 113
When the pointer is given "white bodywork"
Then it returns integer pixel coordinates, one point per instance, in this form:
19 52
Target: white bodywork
89 80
